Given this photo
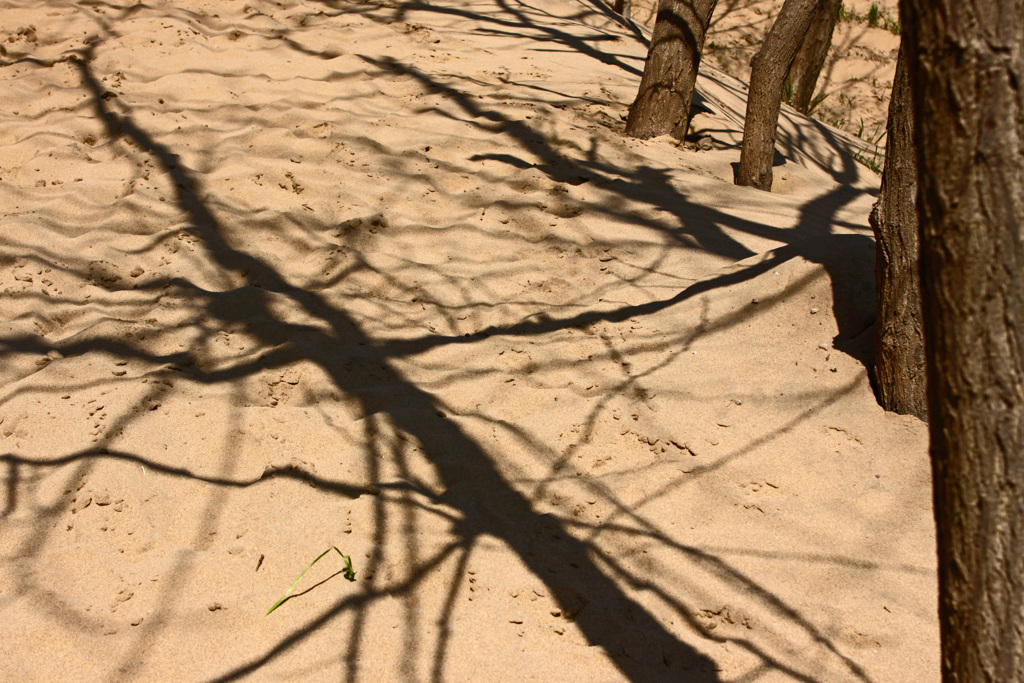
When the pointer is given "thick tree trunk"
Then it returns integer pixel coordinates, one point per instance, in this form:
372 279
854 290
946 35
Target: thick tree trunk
666 90
899 354
806 67
966 64
764 99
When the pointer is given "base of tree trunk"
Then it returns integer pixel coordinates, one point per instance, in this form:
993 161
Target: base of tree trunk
899 367
662 104
764 98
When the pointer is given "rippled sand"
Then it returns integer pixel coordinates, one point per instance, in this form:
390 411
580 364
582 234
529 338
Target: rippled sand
280 276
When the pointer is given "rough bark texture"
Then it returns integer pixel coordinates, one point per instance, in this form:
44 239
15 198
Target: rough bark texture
764 99
806 67
966 64
899 370
666 90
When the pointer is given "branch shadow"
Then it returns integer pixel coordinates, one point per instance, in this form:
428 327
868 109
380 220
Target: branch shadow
597 592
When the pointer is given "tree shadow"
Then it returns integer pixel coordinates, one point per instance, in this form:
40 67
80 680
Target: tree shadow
605 596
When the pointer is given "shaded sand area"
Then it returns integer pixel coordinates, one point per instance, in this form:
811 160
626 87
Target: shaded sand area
279 276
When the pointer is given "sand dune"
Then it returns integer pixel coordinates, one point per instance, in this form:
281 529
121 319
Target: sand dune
280 276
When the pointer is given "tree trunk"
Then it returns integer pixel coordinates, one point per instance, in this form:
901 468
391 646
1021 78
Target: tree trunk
899 353
966 65
764 99
623 7
803 74
666 90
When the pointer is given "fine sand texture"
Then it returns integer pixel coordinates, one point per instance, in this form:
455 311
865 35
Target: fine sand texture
282 276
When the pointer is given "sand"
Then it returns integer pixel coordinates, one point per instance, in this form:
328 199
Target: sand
853 89
282 276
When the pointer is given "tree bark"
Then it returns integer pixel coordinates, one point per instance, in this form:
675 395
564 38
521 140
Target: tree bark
662 104
764 99
899 370
806 67
966 65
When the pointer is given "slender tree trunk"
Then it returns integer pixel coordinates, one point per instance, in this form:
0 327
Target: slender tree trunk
803 74
623 7
899 353
966 65
666 90
764 99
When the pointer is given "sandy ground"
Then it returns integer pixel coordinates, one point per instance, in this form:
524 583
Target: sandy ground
281 276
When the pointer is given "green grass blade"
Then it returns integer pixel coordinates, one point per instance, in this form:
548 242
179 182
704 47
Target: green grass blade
350 574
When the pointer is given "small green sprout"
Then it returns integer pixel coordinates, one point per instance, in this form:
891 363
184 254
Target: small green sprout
873 15
350 574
